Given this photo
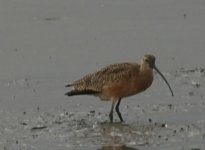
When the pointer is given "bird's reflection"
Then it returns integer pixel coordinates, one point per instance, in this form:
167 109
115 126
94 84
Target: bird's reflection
117 147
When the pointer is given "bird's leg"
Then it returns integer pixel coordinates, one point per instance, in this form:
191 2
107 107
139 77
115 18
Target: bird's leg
111 111
117 110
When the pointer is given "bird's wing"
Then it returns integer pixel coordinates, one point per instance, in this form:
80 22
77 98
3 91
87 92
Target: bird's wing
108 75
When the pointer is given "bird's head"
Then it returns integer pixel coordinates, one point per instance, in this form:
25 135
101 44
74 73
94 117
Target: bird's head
148 62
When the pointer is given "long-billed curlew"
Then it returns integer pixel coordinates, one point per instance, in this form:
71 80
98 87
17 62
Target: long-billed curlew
117 81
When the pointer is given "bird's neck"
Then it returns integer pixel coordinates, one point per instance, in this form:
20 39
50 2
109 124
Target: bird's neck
145 67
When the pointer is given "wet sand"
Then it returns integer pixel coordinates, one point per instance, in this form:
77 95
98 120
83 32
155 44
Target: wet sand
45 45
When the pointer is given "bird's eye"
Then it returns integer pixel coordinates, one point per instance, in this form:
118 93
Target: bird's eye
146 60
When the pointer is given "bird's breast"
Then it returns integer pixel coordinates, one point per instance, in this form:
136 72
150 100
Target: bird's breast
135 84
144 80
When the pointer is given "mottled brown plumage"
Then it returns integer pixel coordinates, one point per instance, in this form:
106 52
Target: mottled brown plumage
117 81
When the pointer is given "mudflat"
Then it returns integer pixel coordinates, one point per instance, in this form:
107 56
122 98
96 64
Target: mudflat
44 45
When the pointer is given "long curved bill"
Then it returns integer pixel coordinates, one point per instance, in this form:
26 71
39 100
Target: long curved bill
164 79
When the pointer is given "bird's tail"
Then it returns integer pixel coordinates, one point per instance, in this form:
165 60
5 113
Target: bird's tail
68 85
82 92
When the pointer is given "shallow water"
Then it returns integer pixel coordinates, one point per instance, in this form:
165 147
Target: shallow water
45 45
151 122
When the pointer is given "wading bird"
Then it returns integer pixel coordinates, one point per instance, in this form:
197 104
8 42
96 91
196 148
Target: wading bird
117 81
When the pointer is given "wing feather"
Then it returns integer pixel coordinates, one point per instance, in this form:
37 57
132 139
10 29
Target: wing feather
106 76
